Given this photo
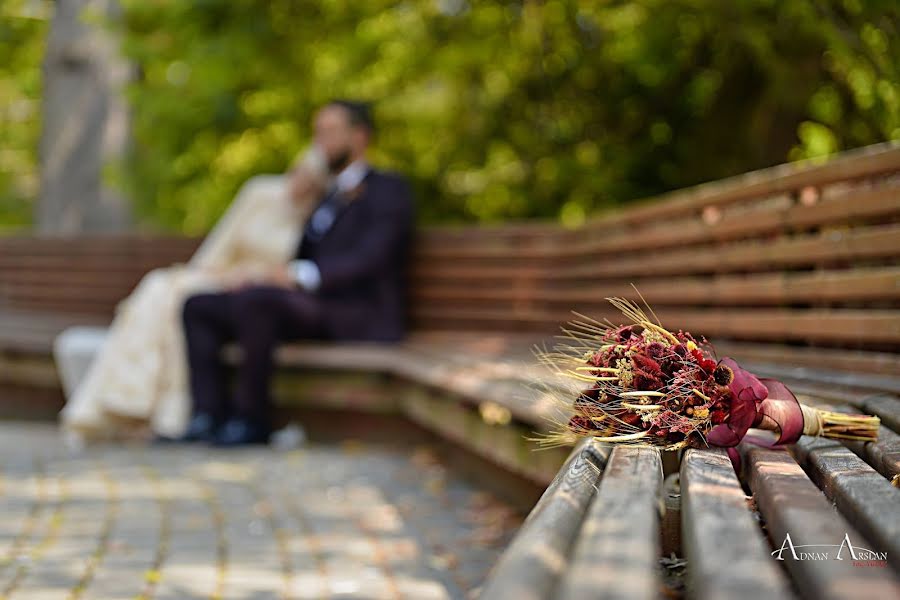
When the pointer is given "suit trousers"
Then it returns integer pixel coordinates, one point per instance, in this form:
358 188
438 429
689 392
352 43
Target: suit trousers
257 318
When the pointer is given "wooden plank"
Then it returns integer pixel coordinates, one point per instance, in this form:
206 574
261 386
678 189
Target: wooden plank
34 332
100 279
839 247
617 552
122 262
480 273
37 345
792 505
864 496
370 356
883 455
23 265
852 382
475 343
865 162
65 289
506 444
477 385
887 407
828 247
853 206
844 286
117 257
473 378
89 310
89 243
28 371
856 361
354 390
727 554
537 557
762 220
850 326
23 294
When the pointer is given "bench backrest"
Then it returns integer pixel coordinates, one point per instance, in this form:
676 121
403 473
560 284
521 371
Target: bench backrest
808 254
82 275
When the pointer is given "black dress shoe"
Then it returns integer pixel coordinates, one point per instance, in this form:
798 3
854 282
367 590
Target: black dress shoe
202 428
240 432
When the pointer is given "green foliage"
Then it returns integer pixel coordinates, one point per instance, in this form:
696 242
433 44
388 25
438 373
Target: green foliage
23 25
503 110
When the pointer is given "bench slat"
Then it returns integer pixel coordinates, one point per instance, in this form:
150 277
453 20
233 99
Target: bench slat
883 455
858 361
851 285
618 548
851 381
726 552
881 242
538 555
875 326
760 220
792 505
797 251
887 407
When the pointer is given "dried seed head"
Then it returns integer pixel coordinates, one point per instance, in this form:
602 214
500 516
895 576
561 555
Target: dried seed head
723 375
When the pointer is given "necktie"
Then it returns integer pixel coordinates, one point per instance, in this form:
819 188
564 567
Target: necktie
322 218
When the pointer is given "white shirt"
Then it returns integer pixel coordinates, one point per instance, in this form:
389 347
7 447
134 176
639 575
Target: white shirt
352 175
306 272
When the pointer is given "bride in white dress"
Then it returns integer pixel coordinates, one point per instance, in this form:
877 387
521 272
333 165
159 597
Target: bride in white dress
136 384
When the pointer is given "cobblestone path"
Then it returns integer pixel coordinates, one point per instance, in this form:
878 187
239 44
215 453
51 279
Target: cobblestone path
178 522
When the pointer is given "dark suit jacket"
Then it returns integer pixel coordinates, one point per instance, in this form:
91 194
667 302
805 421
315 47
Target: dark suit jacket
363 260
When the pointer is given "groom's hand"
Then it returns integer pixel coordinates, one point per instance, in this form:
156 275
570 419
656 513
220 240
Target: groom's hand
281 277
278 277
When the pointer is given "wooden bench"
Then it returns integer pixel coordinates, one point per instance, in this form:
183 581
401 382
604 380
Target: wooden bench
792 270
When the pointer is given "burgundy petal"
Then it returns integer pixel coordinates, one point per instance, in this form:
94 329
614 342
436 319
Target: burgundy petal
745 380
746 393
723 436
782 407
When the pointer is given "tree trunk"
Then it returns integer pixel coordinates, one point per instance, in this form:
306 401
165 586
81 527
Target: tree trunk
85 121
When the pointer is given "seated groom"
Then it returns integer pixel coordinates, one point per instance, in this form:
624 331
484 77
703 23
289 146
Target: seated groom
347 282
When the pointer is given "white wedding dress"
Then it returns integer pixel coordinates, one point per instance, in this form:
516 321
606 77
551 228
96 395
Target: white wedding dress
131 380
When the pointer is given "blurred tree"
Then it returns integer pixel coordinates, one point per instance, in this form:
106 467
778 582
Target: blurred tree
23 27
84 121
501 110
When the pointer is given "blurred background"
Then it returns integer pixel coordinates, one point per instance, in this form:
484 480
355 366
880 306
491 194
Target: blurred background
148 114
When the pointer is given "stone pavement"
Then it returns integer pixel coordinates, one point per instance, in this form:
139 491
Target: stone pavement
176 522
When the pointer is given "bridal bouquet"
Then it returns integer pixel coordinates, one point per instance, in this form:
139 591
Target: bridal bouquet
643 384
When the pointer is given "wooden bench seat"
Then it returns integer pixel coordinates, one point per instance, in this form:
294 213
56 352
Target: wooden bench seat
595 533
791 504
856 489
793 271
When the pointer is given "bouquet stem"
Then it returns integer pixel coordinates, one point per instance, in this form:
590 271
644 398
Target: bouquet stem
830 424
